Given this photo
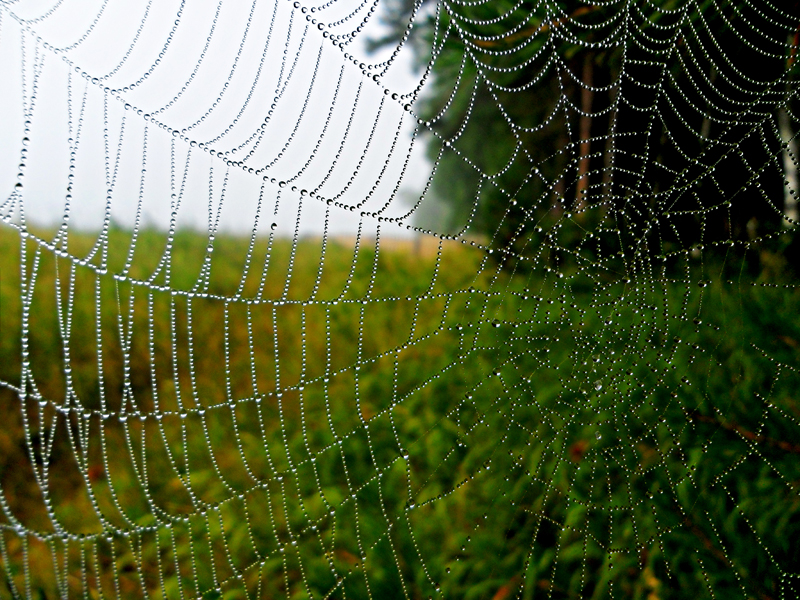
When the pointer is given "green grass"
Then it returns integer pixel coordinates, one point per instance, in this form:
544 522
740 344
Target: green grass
496 436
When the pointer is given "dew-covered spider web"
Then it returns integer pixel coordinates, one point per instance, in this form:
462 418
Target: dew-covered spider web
400 299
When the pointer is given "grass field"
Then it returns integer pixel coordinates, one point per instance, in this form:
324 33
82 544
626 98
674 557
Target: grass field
289 420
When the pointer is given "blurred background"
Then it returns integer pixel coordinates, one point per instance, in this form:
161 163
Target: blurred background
399 299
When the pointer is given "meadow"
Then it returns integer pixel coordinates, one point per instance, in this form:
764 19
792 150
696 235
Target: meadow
312 419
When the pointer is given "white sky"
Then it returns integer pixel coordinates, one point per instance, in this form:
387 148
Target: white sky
214 85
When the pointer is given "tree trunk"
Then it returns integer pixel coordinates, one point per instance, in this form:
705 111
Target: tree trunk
789 168
585 130
790 156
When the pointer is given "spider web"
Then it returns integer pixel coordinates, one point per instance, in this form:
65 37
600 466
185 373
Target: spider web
352 395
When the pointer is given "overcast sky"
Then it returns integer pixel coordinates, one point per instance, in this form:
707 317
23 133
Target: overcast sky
215 81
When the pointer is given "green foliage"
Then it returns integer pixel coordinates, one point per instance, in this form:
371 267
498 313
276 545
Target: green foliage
516 438
619 114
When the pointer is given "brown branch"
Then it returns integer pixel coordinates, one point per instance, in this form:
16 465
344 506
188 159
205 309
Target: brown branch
587 95
706 541
531 31
747 434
